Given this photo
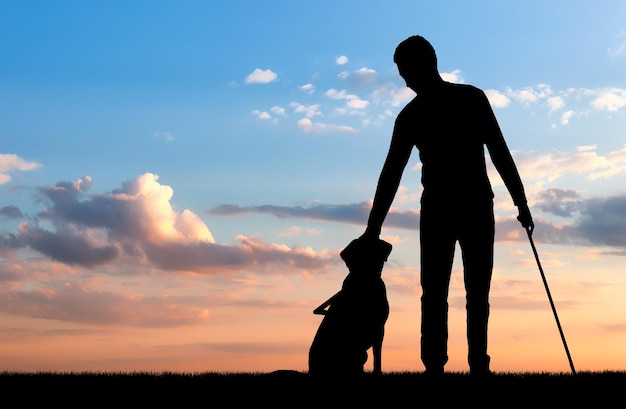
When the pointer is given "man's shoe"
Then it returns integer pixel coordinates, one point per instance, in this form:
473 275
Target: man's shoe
483 373
434 372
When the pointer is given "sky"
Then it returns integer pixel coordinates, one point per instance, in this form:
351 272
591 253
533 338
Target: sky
177 179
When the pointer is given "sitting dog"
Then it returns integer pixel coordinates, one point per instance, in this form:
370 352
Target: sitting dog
355 317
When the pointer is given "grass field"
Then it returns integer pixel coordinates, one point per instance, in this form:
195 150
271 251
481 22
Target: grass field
296 390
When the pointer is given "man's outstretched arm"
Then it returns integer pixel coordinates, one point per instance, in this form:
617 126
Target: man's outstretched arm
389 180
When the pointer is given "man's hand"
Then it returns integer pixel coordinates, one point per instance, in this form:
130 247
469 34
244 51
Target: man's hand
370 234
525 218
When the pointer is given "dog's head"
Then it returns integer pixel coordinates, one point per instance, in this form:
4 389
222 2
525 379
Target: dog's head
366 255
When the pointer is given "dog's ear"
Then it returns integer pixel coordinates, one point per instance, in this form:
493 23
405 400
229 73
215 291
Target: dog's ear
385 248
347 253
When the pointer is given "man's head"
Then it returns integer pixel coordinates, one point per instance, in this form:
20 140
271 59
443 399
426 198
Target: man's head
417 62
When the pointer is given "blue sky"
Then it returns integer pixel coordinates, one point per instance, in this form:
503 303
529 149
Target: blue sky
198 165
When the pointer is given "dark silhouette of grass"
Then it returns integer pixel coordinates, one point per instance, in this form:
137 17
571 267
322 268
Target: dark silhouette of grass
295 389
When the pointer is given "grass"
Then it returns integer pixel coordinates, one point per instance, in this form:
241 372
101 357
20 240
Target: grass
295 390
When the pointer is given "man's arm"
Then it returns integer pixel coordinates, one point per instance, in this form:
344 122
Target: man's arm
503 161
389 180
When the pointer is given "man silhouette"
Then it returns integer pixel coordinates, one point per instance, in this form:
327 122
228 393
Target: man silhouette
450 124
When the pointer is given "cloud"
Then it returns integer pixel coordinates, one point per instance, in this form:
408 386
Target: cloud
356 213
309 110
306 125
69 244
164 135
390 94
560 202
335 94
259 76
595 221
308 88
261 114
248 252
497 99
598 220
360 78
620 49
72 302
137 223
10 213
555 103
10 163
341 60
9 244
454 76
529 95
353 101
357 104
278 110
566 117
610 99
401 96
584 161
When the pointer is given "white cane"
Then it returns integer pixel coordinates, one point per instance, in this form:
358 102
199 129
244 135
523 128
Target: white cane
545 283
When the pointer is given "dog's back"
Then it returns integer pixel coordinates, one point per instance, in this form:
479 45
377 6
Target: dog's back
356 316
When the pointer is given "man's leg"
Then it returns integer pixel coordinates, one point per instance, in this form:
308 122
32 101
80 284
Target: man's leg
477 247
436 256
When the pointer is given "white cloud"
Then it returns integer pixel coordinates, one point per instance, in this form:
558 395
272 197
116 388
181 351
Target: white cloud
135 219
611 99
10 163
353 101
344 75
153 201
566 117
454 76
341 60
306 125
164 135
586 148
136 227
497 99
401 96
359 78
555 103
585 160
390 94
309 110
291 231
259 76
529 95
334 94
357 103
404 195
308 88
261 114
278 110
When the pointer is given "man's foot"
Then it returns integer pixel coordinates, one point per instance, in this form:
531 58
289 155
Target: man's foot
434 372
483 373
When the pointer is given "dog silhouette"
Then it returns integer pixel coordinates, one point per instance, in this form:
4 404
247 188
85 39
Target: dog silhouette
355 317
